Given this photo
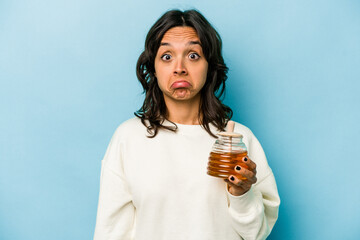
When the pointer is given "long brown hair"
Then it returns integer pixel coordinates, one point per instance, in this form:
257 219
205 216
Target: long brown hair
153 111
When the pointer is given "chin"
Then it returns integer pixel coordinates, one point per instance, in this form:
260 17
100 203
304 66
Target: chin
181 98
186 95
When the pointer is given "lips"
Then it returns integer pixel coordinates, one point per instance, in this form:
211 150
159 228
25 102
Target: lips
180 84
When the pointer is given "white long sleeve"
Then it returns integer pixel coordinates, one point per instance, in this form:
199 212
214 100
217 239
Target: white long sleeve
255 213
116 212
162 183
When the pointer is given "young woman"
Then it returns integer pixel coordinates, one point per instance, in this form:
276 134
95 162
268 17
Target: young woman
153 178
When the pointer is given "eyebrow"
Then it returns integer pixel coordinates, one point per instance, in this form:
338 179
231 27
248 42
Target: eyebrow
187 44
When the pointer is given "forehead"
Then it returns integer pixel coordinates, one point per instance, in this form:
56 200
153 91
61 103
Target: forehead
180 34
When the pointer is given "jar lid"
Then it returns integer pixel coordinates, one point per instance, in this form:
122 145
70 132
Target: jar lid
230 134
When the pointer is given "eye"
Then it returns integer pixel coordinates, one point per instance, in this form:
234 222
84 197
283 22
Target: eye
194 56
166 57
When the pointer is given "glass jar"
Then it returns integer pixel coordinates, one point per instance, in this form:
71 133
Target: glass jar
227 152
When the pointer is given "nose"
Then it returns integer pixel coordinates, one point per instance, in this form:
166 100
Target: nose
180 68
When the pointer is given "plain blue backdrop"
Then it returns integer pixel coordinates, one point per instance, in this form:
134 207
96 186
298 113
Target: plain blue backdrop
67 80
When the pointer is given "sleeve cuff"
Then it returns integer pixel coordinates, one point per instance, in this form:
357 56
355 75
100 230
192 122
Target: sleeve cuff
243 204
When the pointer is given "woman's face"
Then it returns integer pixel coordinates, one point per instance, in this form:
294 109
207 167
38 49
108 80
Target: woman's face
180 65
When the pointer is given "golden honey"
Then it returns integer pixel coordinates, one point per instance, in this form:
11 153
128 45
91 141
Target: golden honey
223 164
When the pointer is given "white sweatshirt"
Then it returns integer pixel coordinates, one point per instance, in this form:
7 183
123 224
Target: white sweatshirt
158 189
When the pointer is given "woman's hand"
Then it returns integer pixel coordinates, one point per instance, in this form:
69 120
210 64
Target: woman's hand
242 181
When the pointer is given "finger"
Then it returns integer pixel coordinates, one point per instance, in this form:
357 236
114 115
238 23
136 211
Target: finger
249 175
239 170
234 180
237 183
251 165
237 190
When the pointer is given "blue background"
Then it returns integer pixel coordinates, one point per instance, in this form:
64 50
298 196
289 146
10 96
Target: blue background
67 80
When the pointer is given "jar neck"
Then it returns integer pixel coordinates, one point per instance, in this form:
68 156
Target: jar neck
226 144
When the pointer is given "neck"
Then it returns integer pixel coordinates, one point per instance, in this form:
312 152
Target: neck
183 112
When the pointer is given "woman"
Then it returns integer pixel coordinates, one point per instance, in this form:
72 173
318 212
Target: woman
153 179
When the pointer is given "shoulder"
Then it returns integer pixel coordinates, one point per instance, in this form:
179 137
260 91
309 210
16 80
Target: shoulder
134 122
131 127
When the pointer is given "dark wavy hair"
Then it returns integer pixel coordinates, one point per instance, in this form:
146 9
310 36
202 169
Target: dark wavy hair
153 111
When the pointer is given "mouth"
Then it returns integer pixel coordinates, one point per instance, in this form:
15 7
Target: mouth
180 84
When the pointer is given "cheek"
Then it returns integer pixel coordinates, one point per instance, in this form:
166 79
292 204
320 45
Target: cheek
204 74
157 73
161 78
